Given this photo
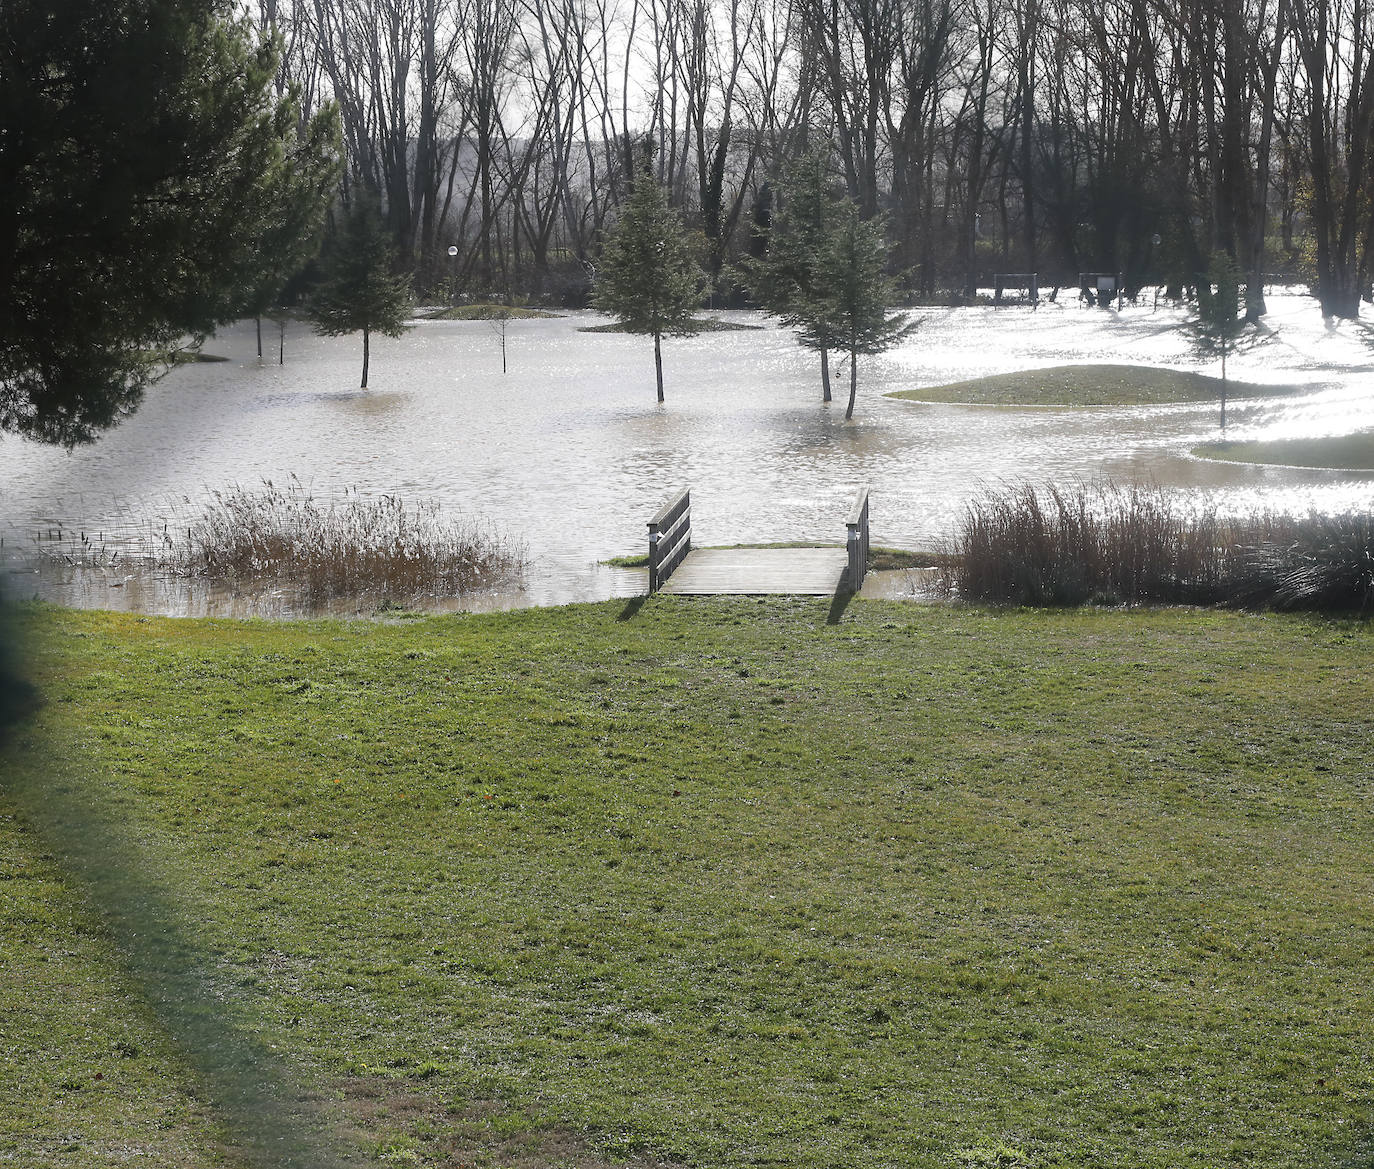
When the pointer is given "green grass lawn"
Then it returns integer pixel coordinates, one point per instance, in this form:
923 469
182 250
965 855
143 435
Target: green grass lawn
1091 385
1345 452
719 883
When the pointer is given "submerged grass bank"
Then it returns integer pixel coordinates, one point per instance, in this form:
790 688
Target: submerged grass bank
697 325
1091 385
1344 452
488 312
721 882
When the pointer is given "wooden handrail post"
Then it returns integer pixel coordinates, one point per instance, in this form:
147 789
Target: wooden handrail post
670 538
857 541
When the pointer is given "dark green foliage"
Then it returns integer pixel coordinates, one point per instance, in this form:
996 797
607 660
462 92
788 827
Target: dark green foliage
292 239
649 279
794 236
847 302
151 183
1219 324
361 291
783 281
825 272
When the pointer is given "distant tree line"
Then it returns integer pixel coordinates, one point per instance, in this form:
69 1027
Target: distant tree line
1056 136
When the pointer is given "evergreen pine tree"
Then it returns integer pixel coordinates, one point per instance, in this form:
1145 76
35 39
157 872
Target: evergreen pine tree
149 167
361 290
649 279
783 280
292 240
846 304
1219 324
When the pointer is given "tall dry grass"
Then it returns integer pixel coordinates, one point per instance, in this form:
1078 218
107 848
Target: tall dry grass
380 548
1051 545
1326 564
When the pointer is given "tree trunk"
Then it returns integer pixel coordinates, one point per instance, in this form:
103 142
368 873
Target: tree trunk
658 366
825 375
367 353
853 382
1255 306
259 324
1339 114
1026 80
1338 299
1223 388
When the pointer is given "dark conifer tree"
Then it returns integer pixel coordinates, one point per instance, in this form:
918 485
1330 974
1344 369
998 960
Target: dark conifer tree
148 166
1219 325
847 301
783 280
649 279
362 291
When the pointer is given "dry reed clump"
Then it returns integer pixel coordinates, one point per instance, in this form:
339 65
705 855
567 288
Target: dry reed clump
382 548
1128 545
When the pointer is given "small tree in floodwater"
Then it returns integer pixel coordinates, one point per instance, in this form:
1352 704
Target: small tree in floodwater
500 322
649 279
291 242
1219 324
281 320
361 290
847 304
783 281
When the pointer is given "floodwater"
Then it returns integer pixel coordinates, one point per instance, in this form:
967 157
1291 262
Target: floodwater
569 454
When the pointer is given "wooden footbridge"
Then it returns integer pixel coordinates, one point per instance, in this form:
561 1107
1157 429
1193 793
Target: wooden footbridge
676 567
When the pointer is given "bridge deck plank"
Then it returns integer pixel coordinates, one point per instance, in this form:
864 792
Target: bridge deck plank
750 571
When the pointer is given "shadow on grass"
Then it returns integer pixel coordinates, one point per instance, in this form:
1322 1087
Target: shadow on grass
632 606
838 604
18 698
271 1122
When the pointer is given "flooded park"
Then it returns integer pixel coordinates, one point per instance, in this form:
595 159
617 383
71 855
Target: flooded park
567 454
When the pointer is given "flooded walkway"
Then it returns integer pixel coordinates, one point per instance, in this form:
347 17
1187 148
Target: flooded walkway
816 572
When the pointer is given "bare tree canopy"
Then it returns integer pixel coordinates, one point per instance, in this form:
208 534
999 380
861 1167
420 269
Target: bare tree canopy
1048 136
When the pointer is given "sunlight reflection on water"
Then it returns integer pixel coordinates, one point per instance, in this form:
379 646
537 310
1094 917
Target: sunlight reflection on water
570 454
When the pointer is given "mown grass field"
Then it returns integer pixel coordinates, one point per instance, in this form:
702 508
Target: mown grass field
1091 385
717 883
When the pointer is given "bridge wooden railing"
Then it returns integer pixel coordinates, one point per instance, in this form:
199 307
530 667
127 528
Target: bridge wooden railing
670 538
857 540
